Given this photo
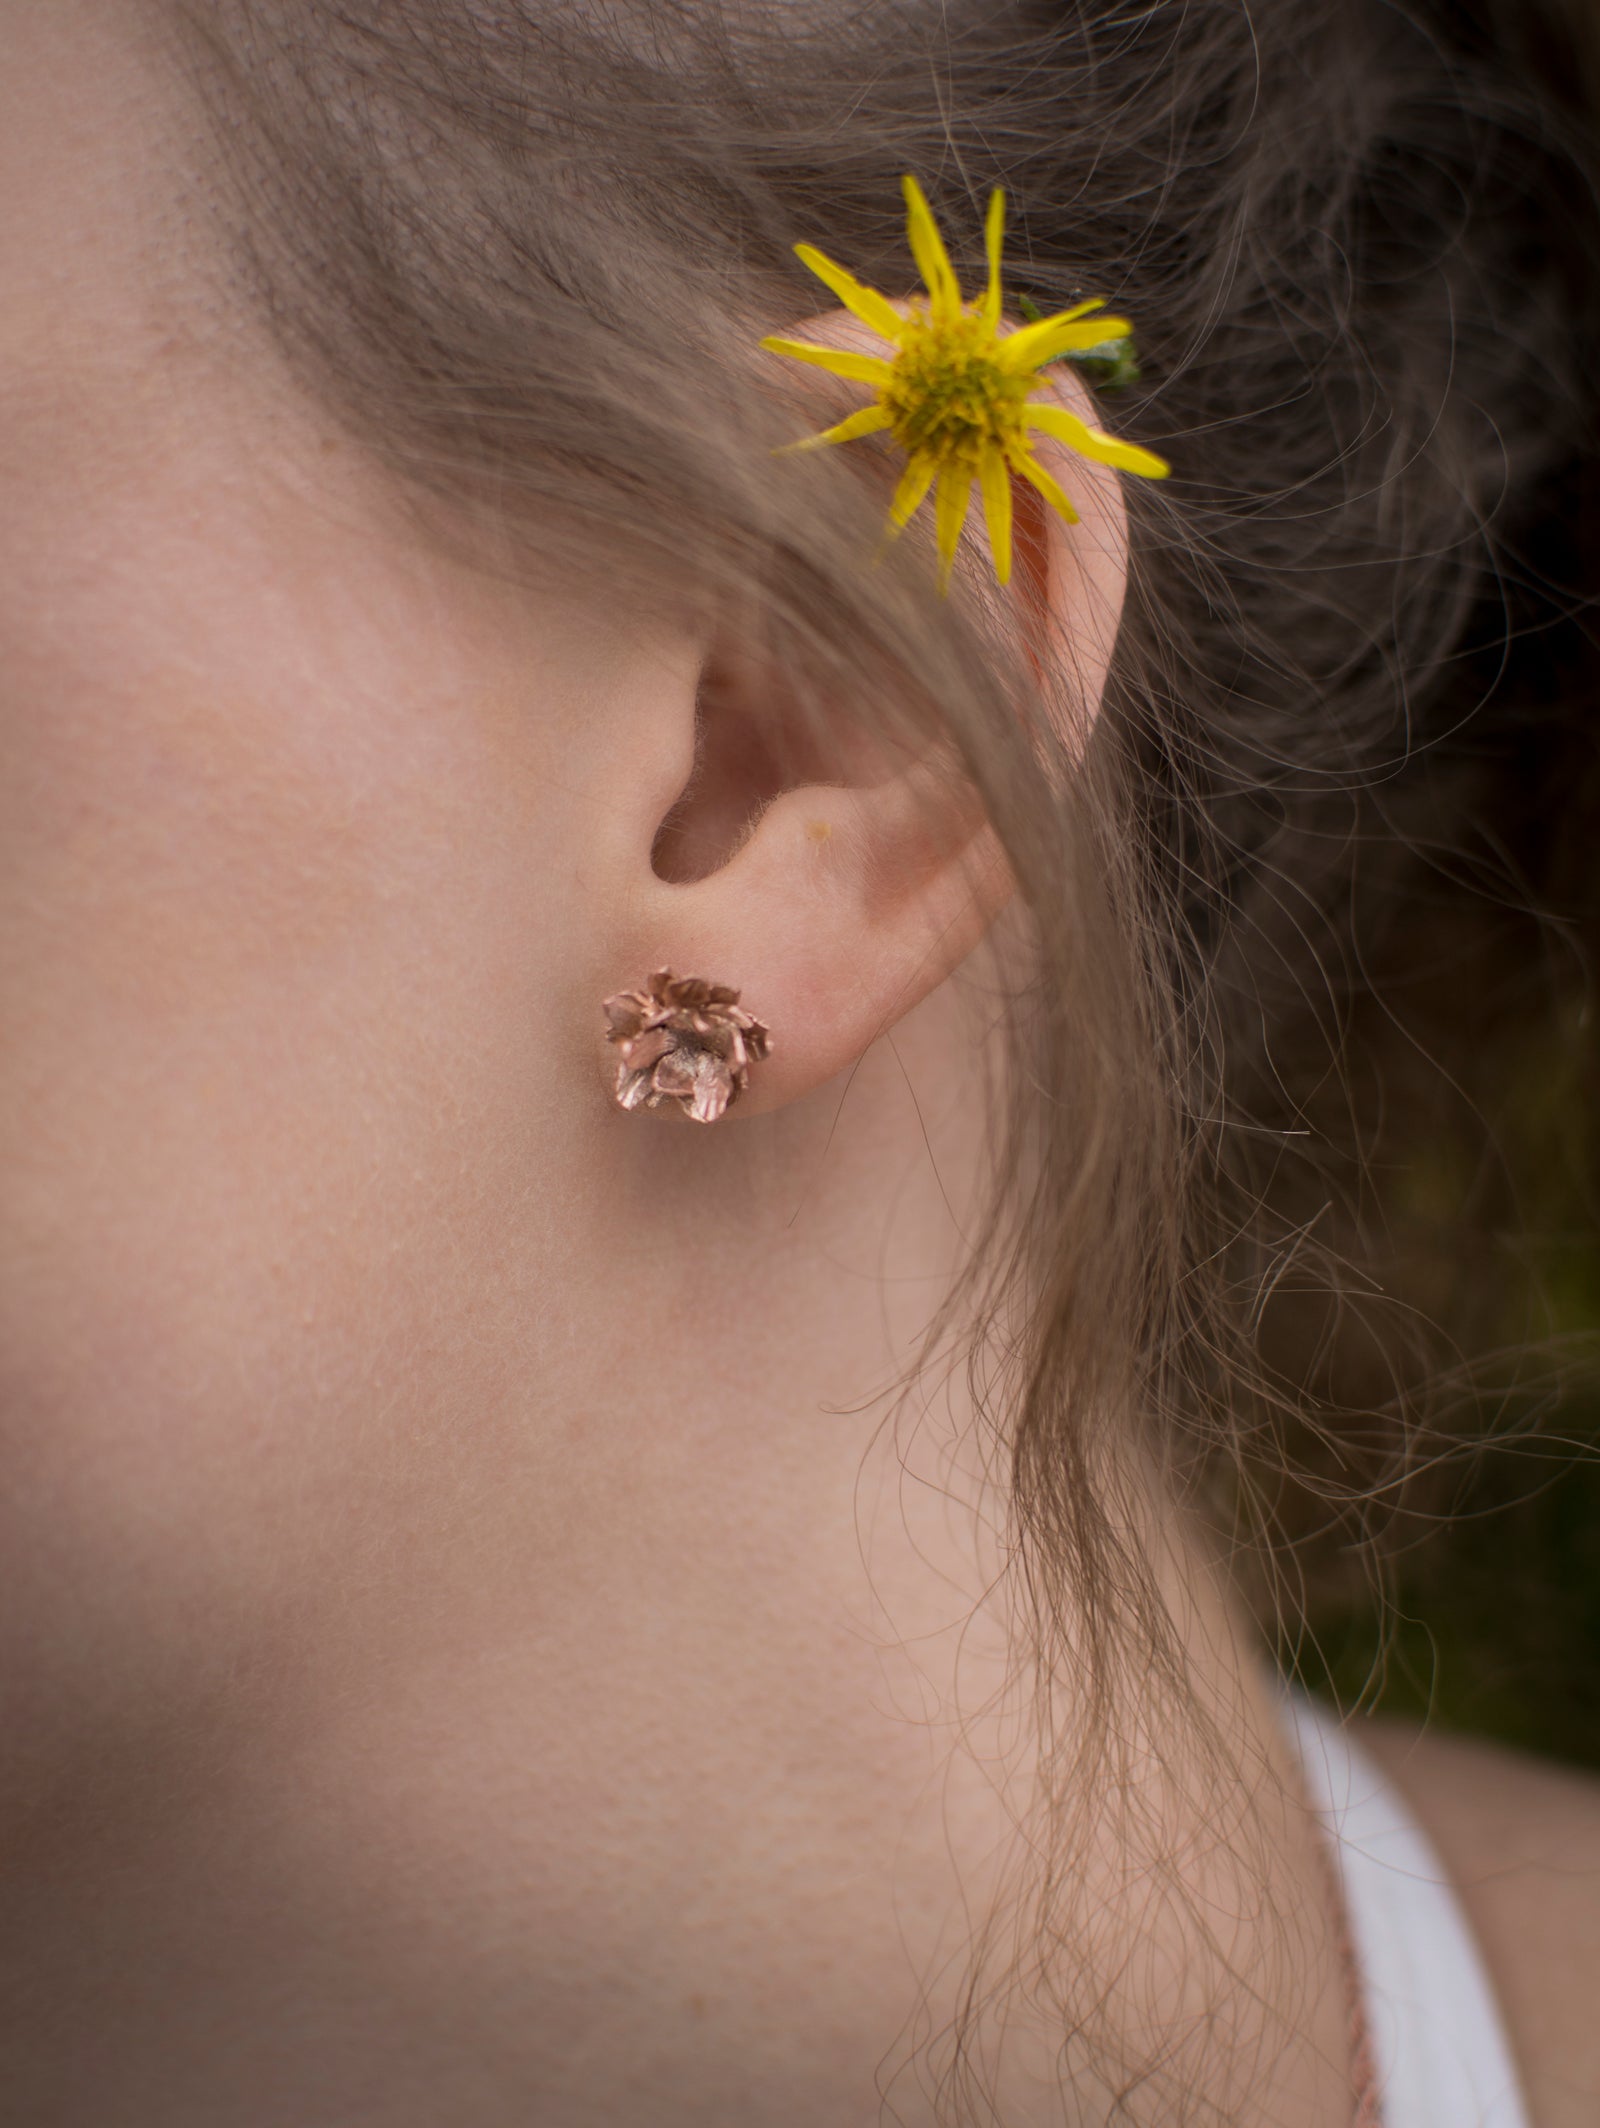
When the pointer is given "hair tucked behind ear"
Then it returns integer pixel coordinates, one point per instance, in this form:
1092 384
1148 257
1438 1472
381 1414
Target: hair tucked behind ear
1313 859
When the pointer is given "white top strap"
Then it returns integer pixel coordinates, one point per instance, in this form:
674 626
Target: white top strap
1440 2047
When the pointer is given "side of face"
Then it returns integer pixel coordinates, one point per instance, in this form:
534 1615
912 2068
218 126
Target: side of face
303 842
320 845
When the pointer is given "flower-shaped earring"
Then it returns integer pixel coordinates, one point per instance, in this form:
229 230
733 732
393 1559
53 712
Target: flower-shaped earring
684 1041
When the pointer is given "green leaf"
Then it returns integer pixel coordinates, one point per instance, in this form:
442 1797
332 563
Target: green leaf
1108 366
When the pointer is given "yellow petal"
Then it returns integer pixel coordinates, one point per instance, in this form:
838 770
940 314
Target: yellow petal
996 476
861 423
993 235
1094 443
927 248
955 492
1056 496
870 307
914 483
1069 332
843 361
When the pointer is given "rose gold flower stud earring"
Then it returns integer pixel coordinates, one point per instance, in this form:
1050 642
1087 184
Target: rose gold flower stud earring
681 1039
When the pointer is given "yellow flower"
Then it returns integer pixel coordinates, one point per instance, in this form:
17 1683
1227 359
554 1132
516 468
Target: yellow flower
956 395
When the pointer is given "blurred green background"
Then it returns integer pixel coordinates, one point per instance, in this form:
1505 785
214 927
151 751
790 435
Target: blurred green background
1489 1617
1493 1626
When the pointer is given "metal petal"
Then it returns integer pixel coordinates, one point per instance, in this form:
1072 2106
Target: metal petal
674 1078
647 1049
712 1093
632 1087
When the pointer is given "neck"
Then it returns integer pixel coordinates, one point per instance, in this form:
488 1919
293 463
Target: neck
683 1754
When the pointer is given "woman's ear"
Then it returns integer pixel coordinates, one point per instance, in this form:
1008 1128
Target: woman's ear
835 898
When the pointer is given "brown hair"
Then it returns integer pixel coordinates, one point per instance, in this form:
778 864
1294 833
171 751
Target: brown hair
1310 866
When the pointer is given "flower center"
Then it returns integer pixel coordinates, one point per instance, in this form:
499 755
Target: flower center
948 398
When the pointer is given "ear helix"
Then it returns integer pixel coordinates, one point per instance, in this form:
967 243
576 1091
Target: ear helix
683 1043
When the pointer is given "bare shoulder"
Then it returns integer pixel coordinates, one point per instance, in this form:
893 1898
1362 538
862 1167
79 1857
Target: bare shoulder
1521 1841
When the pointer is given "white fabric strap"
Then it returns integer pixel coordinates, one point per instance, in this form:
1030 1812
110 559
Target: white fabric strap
1440 2047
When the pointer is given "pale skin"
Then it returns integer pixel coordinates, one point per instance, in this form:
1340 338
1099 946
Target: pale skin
470 1651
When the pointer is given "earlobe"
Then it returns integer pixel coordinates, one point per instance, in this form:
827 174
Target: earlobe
839 906
840 911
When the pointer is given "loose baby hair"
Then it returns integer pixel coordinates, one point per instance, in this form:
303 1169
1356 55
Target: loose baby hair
1320 855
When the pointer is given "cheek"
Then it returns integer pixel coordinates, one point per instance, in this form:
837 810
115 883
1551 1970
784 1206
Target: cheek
269 986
